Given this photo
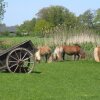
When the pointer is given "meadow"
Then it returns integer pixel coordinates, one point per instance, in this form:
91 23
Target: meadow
68 80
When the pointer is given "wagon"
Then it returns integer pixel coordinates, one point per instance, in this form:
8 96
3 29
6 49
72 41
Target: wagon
19 58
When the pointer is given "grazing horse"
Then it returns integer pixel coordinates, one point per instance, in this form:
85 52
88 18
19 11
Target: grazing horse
43 51
59 52
72 50
57 55
97 54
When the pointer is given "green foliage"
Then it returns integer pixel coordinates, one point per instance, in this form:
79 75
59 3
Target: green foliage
89 49
97 17
87 18
6 33
49 18
41 26
57 15
91 19
97 21
2 9
26 27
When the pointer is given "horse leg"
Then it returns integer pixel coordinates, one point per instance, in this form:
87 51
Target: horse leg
46 57
49 57
78 57
74 57
63 55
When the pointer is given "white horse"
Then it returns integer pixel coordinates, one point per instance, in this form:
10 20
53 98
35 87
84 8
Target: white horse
57 54
97 54
43 51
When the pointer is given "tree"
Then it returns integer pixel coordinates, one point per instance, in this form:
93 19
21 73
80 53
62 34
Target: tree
41 26
56 15
87 18
27 27
97 21
2 9
32 24
70 20
97 17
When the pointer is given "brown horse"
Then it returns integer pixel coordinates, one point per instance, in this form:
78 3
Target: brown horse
59 52
43 51
72 50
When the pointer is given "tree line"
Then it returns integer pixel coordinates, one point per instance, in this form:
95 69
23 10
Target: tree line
49 18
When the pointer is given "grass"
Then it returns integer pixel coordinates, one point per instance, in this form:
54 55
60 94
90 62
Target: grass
69 80
8 42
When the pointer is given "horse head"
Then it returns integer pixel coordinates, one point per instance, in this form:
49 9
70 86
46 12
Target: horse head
82 54
37 56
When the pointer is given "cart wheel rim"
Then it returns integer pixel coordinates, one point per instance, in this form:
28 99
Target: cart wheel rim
20 60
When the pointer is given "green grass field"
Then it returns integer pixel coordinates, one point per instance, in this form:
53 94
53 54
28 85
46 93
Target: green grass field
11 41
68 80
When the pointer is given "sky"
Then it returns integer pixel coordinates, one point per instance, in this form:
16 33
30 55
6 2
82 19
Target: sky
18 11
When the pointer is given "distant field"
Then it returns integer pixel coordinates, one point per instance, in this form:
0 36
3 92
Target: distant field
68 80
15 40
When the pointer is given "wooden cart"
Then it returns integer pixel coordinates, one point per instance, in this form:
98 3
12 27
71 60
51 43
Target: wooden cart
19 58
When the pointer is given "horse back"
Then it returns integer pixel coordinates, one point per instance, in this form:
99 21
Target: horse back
45 50
71 49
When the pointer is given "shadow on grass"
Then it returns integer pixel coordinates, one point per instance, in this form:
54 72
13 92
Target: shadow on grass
36 72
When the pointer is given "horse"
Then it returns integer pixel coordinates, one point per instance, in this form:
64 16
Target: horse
57 55
97 54
59 52
82 54
42 51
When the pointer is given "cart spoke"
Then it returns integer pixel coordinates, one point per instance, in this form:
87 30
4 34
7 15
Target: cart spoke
27 58
20 55
13 57
16 68
24 55
17 55
12 65
12 61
